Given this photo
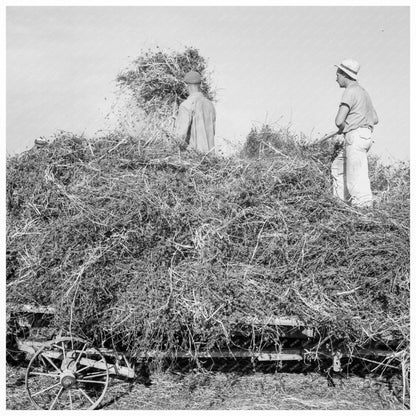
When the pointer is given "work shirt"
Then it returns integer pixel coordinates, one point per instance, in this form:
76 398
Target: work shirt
195 124
362 113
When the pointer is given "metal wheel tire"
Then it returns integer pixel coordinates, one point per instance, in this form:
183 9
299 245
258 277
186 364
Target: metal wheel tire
67 374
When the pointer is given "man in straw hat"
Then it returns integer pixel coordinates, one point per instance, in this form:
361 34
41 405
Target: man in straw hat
355 119
195 123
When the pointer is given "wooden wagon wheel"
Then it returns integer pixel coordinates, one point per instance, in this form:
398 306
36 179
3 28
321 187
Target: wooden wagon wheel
67 373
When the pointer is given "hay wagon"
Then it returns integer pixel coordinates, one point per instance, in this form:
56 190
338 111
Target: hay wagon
68 372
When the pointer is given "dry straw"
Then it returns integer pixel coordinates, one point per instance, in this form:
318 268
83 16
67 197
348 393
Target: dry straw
175 251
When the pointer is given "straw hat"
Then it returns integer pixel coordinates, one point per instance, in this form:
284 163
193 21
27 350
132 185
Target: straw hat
350 67
192 77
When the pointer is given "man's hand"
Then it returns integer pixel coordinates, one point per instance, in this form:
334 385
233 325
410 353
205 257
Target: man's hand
326 137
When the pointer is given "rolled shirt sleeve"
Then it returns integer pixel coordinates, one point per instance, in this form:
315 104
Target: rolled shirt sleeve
348 97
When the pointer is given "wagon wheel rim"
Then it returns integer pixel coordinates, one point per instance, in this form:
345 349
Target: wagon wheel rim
67 373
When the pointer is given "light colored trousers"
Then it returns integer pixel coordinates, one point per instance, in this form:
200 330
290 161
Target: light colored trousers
349 170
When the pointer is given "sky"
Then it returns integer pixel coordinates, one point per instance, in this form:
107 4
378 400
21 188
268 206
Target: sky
269 65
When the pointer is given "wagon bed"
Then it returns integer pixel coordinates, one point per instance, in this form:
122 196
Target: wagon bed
68 372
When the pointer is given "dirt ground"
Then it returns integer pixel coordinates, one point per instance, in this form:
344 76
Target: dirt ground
212 390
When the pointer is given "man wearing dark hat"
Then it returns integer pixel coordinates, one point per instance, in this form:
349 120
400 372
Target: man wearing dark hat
355 119
195 123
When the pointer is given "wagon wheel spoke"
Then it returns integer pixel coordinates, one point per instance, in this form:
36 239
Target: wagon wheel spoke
86 395
52 363
70 400
46 389
82 369
80 354
39 373
63 349
56 398
43 361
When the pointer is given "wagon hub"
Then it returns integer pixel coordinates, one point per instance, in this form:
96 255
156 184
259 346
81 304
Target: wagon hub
68 379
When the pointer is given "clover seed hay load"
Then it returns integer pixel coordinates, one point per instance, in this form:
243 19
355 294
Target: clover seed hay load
164 251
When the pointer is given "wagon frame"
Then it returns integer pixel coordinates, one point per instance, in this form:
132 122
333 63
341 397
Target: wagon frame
74 368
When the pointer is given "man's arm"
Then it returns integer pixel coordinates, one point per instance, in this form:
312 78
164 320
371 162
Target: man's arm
341 116
183 121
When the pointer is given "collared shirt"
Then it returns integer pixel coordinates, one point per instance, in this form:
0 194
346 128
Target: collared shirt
195 124
362 113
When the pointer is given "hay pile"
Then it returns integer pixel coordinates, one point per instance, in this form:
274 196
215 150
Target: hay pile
151 89
172 251
131 240
155 78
